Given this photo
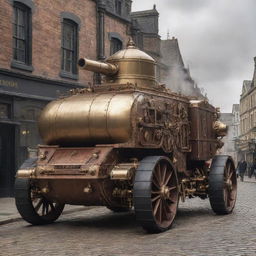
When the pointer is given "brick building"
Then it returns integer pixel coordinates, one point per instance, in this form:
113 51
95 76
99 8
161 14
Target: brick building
40 43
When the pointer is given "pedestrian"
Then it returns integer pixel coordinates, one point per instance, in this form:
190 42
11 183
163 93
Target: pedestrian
242 169
250 169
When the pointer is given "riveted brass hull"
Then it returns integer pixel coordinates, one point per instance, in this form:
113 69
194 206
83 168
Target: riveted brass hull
87 119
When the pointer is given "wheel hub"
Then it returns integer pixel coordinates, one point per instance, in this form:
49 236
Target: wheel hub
229 184
165 193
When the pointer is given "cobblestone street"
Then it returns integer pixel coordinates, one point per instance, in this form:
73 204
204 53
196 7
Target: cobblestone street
197 231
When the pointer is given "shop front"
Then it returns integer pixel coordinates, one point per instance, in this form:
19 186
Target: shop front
22 99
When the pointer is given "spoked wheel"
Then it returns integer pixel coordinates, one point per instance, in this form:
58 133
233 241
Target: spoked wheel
222 185
33 206
155 194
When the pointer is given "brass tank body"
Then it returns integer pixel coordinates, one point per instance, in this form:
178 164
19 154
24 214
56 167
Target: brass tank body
88 119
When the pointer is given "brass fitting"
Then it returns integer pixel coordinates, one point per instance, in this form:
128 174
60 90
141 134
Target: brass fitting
220 128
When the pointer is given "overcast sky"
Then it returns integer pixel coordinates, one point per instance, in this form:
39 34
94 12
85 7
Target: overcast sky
217 39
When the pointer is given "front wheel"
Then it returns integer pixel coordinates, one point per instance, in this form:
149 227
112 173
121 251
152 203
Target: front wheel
155 194
222 185
33 206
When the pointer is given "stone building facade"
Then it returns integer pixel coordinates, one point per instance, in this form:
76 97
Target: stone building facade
247 138
236 129
228 140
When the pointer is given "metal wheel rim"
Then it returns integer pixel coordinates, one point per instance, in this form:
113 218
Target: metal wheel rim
230 186
42 206
164 194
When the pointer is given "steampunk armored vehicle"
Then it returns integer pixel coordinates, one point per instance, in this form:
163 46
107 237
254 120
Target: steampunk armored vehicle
129 142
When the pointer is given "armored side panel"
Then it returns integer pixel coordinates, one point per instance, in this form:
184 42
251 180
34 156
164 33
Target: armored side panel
204 141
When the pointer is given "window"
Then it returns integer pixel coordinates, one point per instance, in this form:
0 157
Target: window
22 36
4 111
116 45
69 48
29 136
118 7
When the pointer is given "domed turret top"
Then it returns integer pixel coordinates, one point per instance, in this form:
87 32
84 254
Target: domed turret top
131 52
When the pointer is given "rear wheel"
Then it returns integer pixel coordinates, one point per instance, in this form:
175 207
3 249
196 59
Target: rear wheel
156 194
33 206
222 185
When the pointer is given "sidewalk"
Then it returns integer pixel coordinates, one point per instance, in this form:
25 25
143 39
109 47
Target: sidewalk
252 179
9 213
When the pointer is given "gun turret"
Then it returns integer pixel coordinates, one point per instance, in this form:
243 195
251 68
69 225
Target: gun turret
99 67
126 66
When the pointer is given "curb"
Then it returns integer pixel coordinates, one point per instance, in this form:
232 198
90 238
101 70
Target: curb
16 219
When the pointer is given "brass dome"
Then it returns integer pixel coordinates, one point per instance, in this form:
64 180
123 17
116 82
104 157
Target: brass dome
134 65
131 52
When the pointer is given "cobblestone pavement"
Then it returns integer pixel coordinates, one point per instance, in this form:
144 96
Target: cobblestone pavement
99 232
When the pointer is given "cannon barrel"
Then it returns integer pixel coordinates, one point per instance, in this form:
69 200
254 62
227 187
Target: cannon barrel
96 66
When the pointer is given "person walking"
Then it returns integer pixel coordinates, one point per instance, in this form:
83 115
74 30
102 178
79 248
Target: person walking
250 169
242 166
254 169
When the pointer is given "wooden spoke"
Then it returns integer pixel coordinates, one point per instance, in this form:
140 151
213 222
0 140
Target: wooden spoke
168 178
172 188
164 168
157 179
155 198
37 207
156 206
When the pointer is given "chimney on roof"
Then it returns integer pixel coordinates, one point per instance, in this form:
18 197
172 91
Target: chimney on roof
154 6
168 34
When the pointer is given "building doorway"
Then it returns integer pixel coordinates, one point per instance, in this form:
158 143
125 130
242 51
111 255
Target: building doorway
7 159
